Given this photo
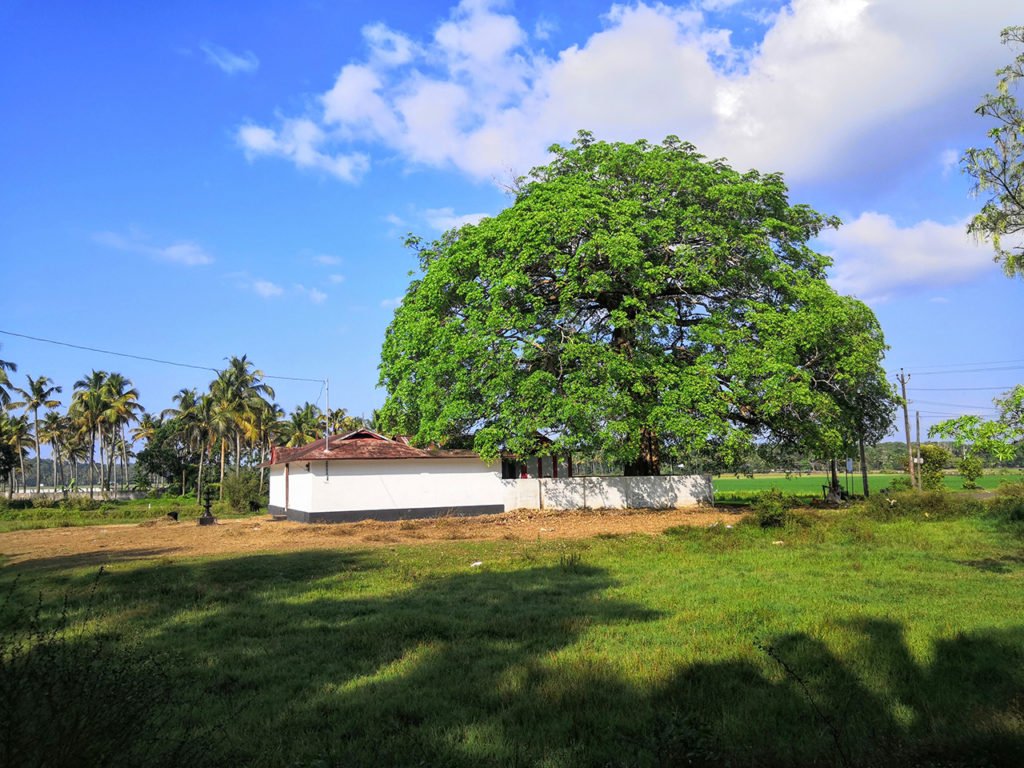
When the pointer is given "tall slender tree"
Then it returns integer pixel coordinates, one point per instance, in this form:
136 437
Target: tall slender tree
51 431
239 392
87 408
123 407
38 394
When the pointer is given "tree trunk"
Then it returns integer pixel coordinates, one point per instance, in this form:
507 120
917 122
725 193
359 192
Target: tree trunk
223 448
124 458
238 453
35 423
864 468
263 458
834 471
649 461
92 461
199 480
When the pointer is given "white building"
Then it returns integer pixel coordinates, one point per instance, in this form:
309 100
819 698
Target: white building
364 475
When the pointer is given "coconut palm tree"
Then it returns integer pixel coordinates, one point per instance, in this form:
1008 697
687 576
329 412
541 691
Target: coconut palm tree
75 448
51 432
239 392
9 449
19 437
88 406
122 408
302 426
145 427
5 382
38 394
187 418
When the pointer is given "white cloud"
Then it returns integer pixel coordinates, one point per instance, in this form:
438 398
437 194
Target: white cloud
443 219
391 303
228 61
394 220
832 86
544 28
950 159
387 47
299 140
336 279
327 260
939 300
184 252
876 259
315 295
267 289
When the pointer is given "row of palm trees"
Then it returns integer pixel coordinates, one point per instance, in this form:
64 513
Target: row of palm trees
102 406
234 422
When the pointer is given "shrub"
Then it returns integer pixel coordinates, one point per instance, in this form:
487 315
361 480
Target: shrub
80 503
242 493
934 459
44 502
771 508
898 484
1008 505
970 469
926 505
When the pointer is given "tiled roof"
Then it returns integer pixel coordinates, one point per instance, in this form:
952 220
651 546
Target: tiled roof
361 444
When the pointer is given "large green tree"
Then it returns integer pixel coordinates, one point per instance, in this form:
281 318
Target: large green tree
638 300
998 170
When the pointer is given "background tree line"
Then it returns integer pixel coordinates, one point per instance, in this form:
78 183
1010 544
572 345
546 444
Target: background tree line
230 426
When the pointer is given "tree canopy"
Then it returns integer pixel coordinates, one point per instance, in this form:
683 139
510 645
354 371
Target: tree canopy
639 300
999 437
998 170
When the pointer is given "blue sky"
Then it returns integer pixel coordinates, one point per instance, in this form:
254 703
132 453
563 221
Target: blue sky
190 181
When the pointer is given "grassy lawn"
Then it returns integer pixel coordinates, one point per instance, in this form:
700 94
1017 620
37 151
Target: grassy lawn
732 488
106 513
903 641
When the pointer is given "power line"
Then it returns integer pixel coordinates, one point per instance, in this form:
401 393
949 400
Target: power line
969 371
961 389
142 357
955 405
970 365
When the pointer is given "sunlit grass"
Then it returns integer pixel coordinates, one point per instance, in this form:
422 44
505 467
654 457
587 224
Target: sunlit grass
631 650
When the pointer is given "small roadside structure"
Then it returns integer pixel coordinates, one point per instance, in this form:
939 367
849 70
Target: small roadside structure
364 475
367 476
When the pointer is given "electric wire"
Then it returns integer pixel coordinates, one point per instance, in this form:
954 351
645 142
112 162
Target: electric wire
145 358
962 389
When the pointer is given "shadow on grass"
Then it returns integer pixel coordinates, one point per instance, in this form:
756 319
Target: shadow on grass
97 557
349 658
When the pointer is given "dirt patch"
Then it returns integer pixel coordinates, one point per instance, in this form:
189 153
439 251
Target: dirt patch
90 545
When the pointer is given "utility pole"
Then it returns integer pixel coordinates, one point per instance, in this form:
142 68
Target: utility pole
917 461
327 420
903 379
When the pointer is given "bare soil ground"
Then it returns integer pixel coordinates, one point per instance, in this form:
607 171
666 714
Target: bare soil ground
96 545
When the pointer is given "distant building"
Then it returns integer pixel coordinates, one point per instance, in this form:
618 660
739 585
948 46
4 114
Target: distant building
366 476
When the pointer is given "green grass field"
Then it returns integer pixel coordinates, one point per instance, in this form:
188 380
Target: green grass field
107 513
733 488
836 641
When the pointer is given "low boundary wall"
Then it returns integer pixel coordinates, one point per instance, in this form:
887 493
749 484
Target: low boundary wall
659 492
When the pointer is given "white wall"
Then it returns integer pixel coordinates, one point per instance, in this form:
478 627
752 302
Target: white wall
276 482
355 485
410 484
662 492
